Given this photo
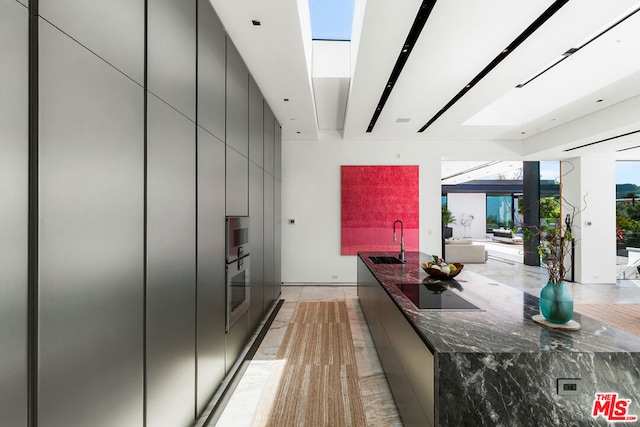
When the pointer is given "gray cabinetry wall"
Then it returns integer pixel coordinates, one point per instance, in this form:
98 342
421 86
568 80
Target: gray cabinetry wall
91 234
171 269
126 288
14 184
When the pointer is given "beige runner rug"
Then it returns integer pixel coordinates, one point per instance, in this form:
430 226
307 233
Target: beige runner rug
623 316
319 383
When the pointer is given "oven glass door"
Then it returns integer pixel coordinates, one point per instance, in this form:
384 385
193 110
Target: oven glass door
238 285
237 237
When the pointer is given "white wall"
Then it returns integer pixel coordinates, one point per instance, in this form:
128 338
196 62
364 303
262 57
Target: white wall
462 205
311 195
595 195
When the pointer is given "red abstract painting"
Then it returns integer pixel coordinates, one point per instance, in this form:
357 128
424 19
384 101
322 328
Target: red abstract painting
373 197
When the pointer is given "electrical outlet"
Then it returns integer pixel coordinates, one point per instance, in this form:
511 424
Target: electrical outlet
569 386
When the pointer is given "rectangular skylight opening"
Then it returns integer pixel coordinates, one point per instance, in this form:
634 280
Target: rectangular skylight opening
331 19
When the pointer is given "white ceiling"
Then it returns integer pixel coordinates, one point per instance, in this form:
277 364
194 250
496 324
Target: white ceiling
592 95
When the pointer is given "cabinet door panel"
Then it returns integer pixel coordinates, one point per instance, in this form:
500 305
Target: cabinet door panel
112 29
171 270
237 183
211 273
171 53
237 101
91 238
277 161
256 124
256 213
211 70
277 239
269 242
269 140
14 180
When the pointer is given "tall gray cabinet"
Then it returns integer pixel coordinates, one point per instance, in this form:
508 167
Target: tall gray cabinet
90 278
14 205
211 297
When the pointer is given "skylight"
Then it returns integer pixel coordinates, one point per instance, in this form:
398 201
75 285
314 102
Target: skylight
331 19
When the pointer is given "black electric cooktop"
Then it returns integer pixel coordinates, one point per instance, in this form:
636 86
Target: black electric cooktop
434 294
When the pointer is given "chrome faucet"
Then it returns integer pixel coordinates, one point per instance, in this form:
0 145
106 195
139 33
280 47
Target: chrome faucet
395 240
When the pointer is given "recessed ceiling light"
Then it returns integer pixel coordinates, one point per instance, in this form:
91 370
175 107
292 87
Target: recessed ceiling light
522 133
255 22
286 100
402 119
600 100
298 131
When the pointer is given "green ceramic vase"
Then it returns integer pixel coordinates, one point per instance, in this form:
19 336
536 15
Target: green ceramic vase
556 302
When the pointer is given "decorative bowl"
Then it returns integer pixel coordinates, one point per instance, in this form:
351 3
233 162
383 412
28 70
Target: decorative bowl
439 274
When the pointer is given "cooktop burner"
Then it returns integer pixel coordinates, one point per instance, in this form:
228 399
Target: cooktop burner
436 294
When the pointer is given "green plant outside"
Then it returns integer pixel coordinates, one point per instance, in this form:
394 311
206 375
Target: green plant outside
447 217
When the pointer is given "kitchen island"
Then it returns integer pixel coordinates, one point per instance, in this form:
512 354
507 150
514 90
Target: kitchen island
488 363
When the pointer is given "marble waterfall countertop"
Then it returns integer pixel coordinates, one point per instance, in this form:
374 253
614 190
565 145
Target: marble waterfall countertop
502 325
495 366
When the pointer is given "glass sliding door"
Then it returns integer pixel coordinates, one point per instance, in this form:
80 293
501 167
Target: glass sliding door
627 219
499 212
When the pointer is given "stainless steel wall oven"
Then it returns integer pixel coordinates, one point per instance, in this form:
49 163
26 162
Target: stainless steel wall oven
237 268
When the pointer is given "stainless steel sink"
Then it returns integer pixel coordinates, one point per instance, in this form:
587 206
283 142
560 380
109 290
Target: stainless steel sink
385 260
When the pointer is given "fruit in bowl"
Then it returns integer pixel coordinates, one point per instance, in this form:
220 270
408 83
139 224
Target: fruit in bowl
441 269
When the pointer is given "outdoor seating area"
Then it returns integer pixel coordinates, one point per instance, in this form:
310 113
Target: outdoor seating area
506 236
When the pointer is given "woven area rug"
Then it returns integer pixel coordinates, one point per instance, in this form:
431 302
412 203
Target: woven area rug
623 316
319 383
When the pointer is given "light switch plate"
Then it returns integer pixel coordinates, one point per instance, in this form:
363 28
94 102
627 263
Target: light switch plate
569 386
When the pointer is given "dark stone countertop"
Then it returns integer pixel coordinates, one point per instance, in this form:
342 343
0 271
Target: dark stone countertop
503 325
